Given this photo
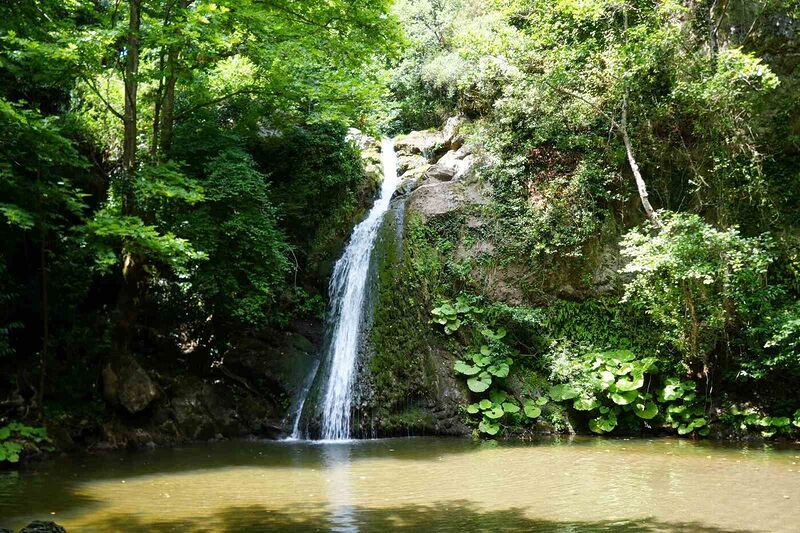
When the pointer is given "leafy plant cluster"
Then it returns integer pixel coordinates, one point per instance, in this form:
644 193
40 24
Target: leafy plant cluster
486 367
15 436
614 386
751 419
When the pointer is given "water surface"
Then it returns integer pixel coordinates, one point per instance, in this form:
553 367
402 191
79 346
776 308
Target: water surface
416 484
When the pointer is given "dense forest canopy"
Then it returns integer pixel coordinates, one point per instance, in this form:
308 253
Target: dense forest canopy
176 172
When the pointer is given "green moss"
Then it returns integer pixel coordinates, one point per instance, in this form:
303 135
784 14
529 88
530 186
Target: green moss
414 420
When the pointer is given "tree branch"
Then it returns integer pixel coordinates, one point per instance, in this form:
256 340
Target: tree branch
96 91
213 101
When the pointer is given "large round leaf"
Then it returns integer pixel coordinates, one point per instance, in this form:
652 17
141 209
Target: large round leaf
606 379
781 421
625 385
494 413
482 360
623 368
585 403
464 368
500 371
510 407
479 383
645 410
623 398
531 410
498 396
563 392
489 428
671 391
621 355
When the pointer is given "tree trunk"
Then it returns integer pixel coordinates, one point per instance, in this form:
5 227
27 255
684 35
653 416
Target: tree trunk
168 108
132 272
158 101
713 30
43 354
130 116
637 174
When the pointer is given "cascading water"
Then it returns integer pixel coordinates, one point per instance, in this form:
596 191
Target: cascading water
347 291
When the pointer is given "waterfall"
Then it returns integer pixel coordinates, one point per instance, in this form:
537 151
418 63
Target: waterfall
347 292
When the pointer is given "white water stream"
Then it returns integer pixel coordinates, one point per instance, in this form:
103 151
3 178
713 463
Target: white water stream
347 292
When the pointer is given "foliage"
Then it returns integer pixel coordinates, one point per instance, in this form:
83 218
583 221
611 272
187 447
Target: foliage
696 280
452 316
236 228
15 437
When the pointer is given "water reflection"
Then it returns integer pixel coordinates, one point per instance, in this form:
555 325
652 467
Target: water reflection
336 458
416 484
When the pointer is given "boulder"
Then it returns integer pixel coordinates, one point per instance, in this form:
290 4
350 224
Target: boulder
410 162
428 144
451 135
410 181
127 384
41 526
435 199
440 172
456 163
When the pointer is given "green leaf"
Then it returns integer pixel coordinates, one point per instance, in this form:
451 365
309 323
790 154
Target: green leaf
645 411
542 400
626 385
623 398
492 335
563 392
670 392
480 382
473 408
498 396
500 371
531 410
495 412
488 427
621 355
622 369
482 360
509 407
463 368
780 422
485 404
585 403
606 379
603 424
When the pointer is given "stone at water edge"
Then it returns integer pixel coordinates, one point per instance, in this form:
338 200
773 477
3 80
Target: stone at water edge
42 526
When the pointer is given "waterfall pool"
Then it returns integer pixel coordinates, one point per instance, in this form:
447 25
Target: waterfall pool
416 484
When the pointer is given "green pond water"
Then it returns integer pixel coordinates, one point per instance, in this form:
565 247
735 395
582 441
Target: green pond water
416 484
